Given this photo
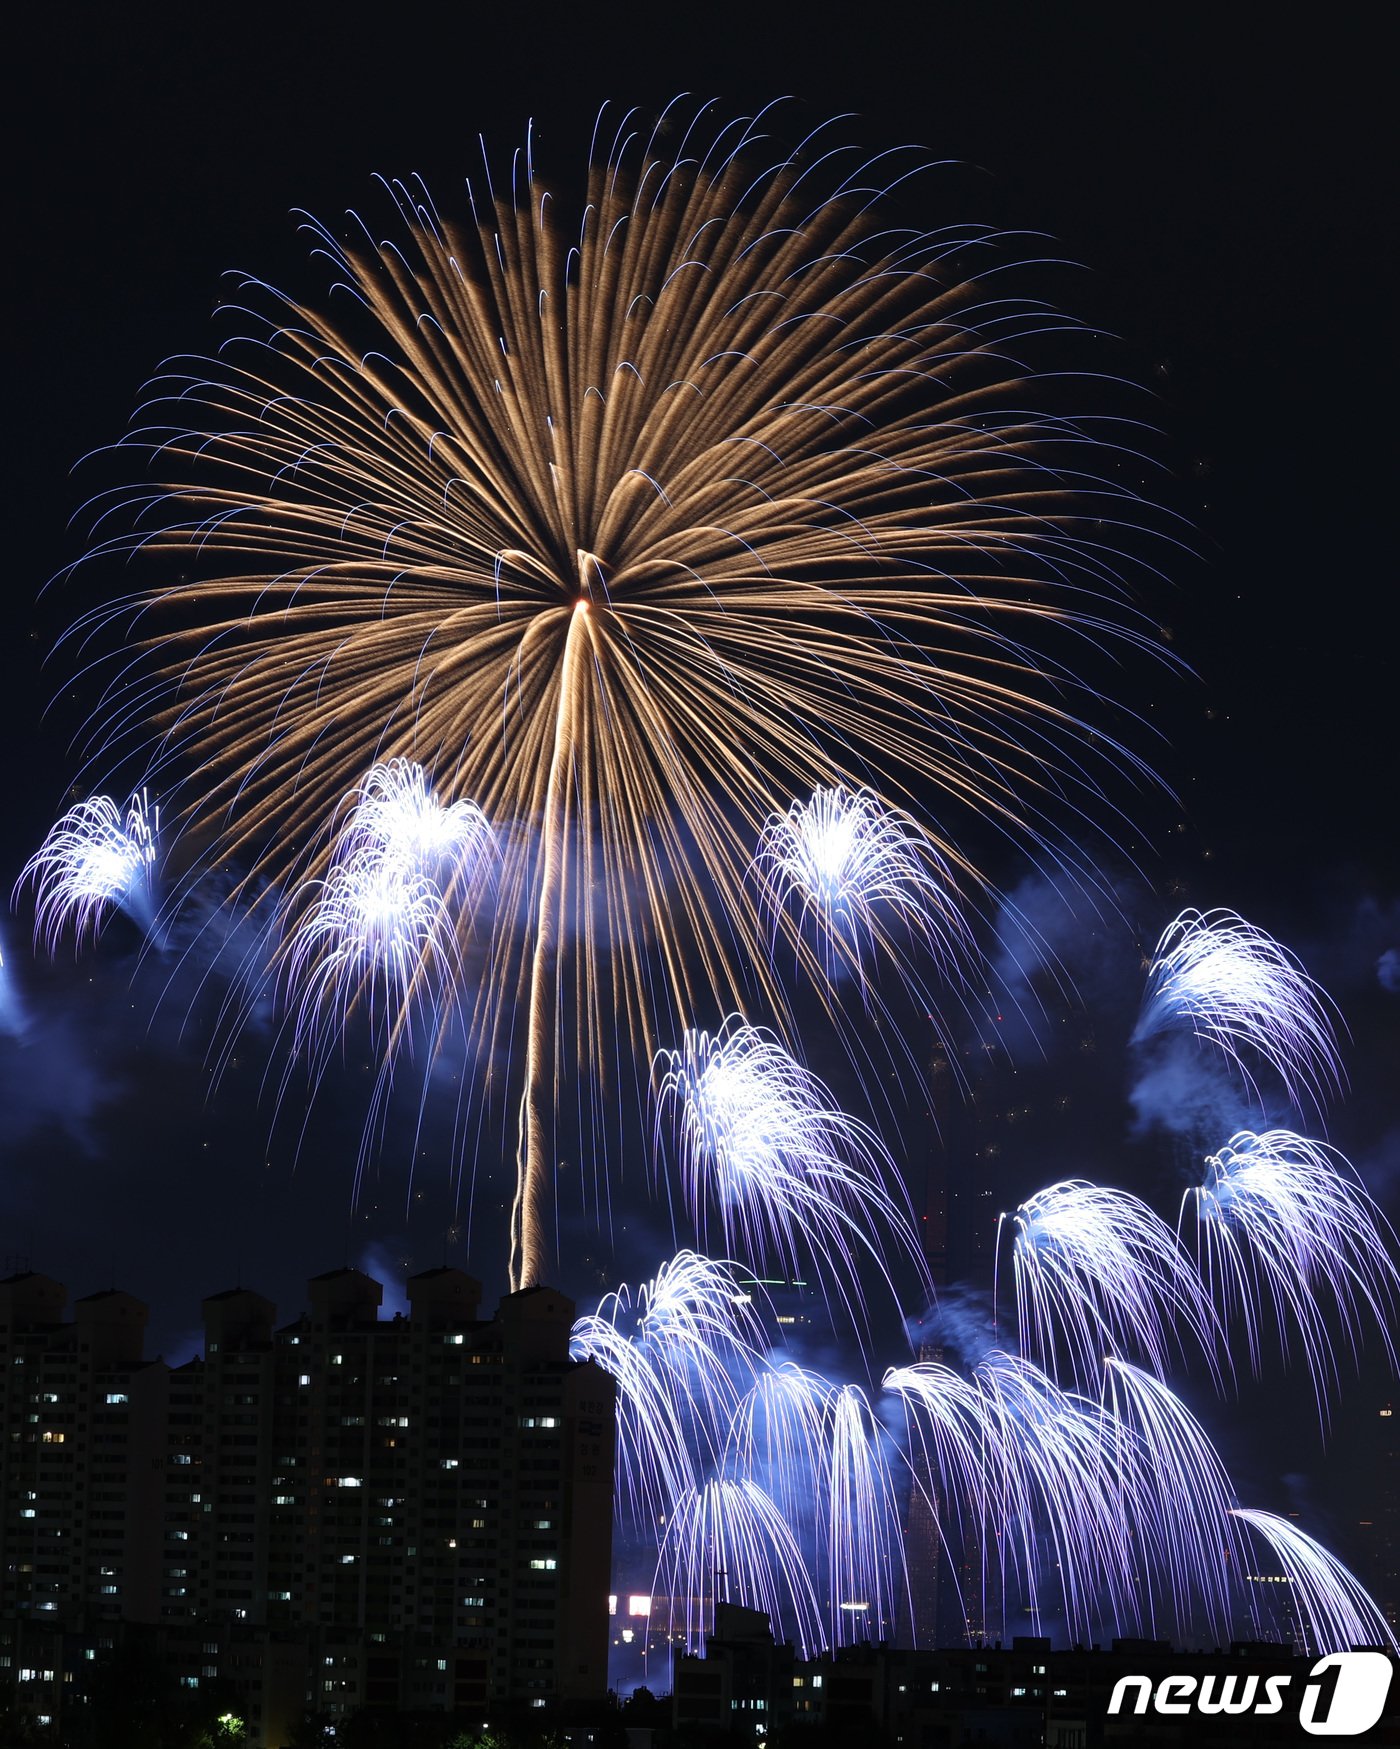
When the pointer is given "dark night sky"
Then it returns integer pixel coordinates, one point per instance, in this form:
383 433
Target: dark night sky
1224 195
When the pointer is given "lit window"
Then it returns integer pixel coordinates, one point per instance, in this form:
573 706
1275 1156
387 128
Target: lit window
349 1481
544 1566
117 1397
304 1378
448 1463
639 1606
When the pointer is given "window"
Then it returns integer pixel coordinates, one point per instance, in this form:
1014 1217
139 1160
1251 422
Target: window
448 1463
544 1566
117 1397
348 1481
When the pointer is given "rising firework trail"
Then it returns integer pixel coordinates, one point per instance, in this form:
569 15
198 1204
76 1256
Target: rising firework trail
792 1176
1096 1269
630 528
1287 1236
1229 983
97 857
1333 1610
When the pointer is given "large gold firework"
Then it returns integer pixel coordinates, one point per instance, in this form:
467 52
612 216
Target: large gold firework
631 531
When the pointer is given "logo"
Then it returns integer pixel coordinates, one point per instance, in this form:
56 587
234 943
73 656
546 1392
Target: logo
1344 1694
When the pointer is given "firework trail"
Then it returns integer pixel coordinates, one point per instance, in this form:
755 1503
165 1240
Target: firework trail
674 1350
1176 1500
761 1139
848 864
630 531
95 857
728 1543
1097 1269
1335 1612
1284 1231
1232 984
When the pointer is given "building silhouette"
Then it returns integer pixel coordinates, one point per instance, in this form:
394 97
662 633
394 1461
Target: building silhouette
345 1511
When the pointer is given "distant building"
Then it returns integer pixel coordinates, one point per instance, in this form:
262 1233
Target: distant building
349 1510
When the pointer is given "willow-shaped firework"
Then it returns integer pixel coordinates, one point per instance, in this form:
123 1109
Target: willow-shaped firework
1286 1231
96 857
630 530
1097 1270
1232 984
1335 1611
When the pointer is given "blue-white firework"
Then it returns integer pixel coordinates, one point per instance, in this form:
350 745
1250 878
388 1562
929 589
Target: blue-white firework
861 875
1288 1236
791 1175
1333 1611
97 858
1097 1271
1233 985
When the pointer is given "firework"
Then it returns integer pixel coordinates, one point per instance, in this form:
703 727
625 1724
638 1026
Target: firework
776 1436
675 1349
96 857
375 934
1235 986
1284 1229
728 1543
1025 1464
865 1548
1334 1612
630 532
1096 1269
379 932
849 864
397 817
12 1016
1176 1499
761 1139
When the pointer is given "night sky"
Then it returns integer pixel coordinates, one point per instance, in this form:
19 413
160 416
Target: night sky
1223 195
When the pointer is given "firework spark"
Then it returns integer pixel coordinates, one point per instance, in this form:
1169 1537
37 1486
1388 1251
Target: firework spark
1176 1499
381 932
761 1138
1283 1227
1237 987
630 532
1025 1464
96 857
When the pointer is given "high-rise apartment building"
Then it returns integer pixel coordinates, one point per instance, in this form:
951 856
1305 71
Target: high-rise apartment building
423 1503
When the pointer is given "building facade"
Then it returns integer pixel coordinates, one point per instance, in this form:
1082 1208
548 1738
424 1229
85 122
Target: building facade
414 1511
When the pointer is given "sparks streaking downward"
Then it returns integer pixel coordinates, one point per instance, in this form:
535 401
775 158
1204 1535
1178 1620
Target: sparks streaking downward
96 857
630 531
